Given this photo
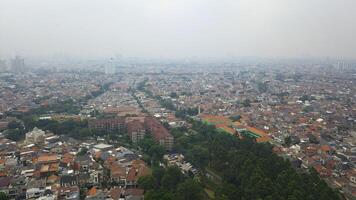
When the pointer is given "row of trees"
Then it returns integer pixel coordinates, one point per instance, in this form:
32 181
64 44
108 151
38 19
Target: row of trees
72 128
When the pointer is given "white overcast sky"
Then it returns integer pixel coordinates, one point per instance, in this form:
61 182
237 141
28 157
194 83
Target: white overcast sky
178 28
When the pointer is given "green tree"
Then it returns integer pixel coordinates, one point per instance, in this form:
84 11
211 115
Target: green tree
14 125
171 178
4 196
158 173
313 139
288 141
189 189
161 195
83 151
173 95
146 143
246 103
262 87
15 134
147 183
198 155
156 152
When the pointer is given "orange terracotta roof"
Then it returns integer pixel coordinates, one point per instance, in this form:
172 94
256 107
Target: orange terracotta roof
92 191
47 158
263 139
257 131
3 174
325 148
215 119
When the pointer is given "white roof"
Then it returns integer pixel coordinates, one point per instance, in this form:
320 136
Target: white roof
102 146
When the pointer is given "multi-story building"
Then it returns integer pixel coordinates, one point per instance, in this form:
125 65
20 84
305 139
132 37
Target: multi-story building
36 136
115 124
159 132
136 130
3 67
18 64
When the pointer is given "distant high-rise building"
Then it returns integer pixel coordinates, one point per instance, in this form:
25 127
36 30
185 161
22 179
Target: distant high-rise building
18 64
345 66
110 67
3 66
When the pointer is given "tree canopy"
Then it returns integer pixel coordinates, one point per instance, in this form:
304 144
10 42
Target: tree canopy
248 170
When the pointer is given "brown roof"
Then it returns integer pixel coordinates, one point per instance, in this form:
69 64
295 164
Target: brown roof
116 170
131 175
138 162
214 119
134 192
47 158
115 193
325 148
157 129
136 172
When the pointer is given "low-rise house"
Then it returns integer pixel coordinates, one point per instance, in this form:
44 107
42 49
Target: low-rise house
134 194
97 194
68 180
83 163
47 159
135 172
69 193
35 188
116 193
83 178
117 173
4 184
95 177
17 187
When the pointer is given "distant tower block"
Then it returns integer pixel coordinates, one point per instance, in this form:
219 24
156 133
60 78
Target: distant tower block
18 64
3 66
110 67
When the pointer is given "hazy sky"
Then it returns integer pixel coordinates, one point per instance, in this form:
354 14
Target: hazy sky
178 28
